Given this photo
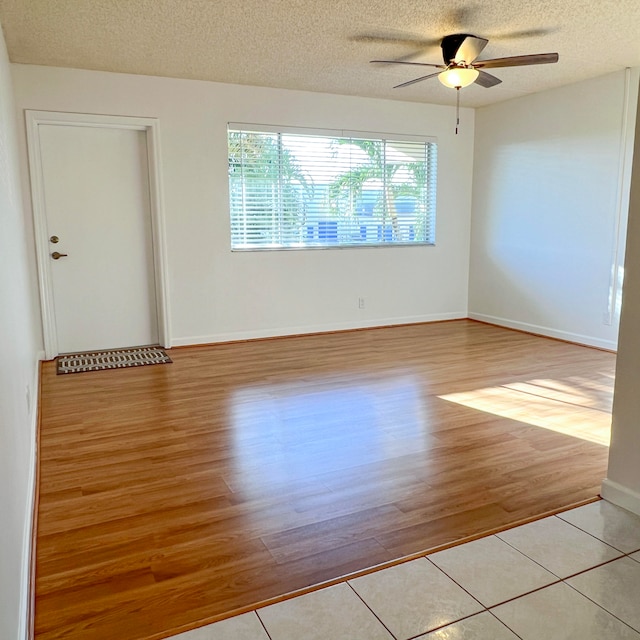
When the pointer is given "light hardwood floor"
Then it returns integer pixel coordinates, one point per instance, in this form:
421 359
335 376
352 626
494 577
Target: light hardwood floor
175 494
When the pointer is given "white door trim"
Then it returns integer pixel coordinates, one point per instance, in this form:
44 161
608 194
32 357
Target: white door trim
151 128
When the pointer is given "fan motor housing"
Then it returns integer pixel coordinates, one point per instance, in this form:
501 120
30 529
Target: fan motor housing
450 45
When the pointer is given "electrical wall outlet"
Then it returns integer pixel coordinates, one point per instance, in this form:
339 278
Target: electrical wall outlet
360 303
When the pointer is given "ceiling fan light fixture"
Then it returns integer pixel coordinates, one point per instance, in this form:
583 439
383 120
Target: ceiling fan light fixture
458 77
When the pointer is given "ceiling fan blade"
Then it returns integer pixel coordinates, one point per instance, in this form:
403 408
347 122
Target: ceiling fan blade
517 61
461 47
487 80
470 49
420 79
418 64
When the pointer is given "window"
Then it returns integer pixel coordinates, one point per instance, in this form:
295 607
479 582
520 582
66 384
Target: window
294 188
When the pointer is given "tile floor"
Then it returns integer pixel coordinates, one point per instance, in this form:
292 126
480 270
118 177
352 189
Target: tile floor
571 576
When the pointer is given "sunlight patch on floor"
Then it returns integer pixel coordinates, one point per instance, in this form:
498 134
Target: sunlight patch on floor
578 408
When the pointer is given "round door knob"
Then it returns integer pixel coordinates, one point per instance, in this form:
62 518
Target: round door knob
56 256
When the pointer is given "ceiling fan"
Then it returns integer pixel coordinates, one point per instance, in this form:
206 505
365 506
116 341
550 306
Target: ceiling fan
461 67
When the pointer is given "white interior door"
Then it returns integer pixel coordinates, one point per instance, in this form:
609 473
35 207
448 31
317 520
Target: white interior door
96 199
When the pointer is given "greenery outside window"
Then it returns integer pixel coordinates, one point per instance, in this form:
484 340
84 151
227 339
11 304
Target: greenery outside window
294 188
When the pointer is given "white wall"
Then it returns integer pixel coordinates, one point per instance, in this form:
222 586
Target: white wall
219 295
19 341
549 210
622 484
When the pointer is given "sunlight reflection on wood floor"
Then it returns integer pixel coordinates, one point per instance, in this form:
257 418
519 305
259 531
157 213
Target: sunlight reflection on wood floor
575 406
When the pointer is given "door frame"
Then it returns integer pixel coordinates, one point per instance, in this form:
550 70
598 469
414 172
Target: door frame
151 128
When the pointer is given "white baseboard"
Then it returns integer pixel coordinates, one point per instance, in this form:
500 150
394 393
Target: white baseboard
306 329
589 341
621 495
25 583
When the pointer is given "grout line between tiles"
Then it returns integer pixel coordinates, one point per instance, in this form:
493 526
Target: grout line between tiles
372 611
575 526
262 624
456 582
522 595
505 624
489 607
441 626
559 581
596 566
526 556
601 607
444 626
577 572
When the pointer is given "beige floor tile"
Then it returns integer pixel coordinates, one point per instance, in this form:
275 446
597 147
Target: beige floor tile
609 523
559 612
335 612
244 627
559 546
414 597
482 626
491 570
614 586
635 556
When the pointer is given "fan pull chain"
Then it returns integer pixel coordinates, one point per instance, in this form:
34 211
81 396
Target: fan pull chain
457 108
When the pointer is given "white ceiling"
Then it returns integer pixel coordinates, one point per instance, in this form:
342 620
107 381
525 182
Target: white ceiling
325 45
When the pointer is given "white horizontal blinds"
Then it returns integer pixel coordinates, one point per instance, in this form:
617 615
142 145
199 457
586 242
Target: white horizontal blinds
292 189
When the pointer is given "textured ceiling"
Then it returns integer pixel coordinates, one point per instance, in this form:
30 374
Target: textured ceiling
325 45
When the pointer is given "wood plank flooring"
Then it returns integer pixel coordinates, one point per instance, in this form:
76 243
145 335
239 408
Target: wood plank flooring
175 494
